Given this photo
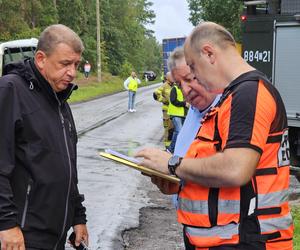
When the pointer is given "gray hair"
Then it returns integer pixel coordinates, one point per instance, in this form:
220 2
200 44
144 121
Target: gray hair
211 32
176 55
56 34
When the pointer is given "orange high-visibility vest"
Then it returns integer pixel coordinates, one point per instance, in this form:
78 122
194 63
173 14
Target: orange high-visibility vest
258 211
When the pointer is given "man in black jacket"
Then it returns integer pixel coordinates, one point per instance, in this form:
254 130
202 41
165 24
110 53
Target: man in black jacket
39 197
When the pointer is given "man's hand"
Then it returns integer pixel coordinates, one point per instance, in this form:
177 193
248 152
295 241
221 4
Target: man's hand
81 233
155 159
12 239
165 186
158 160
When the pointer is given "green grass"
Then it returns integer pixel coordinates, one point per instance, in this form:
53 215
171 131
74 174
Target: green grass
296 217
94 89
110 84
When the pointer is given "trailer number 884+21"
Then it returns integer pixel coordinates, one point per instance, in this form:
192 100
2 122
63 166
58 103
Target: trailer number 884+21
257 56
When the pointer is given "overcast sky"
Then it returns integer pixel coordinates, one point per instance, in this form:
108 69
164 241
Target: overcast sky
171 19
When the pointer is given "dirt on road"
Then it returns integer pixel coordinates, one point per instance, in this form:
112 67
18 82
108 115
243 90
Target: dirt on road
158 227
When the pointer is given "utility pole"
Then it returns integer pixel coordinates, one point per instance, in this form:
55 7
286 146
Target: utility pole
98 41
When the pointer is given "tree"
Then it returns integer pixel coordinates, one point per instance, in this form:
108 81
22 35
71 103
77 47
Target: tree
152 55
124 31
72 14
125 40
49 14
11 20
224 12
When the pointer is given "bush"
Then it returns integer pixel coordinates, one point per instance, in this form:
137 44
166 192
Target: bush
126 69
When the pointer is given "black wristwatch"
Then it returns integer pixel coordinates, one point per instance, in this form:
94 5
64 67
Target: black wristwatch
173 163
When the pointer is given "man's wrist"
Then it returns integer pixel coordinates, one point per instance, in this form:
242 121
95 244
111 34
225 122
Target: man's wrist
173 164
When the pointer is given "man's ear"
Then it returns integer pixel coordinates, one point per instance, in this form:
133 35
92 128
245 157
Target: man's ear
40 59
209 52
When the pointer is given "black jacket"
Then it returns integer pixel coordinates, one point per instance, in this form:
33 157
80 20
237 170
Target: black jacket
38 176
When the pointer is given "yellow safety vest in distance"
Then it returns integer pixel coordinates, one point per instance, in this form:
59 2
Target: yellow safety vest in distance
174 110
133 84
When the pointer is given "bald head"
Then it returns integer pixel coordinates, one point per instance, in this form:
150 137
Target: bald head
212 56
209 32
57 34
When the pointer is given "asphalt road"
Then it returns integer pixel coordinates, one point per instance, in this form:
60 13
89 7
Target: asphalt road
114 192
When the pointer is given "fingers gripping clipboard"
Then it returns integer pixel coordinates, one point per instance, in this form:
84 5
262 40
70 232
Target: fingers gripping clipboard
134 163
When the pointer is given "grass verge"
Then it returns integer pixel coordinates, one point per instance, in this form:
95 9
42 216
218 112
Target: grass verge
296 217
91 89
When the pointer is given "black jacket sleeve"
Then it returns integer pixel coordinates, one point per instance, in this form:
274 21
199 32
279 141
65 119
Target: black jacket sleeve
173 99
10 116
80 216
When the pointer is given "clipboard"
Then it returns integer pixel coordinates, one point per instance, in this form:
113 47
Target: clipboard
134 163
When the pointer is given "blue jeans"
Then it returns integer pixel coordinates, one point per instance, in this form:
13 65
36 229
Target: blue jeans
131 99
177 123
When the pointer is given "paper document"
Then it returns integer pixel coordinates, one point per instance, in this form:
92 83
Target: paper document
134 163
120 155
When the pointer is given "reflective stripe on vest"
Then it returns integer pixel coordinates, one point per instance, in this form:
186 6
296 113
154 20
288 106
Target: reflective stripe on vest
198 207
201 207
215 236
274 199
272 224
133 84
228 234
174 110
223 232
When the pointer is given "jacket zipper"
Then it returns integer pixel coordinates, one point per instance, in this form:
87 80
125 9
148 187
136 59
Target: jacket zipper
26 205
70 170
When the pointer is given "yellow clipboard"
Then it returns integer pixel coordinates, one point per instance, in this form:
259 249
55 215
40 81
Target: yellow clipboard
145 170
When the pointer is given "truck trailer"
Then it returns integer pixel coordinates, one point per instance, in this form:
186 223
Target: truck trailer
169 44
271 43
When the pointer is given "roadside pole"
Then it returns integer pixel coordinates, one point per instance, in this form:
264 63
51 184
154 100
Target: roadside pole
98 42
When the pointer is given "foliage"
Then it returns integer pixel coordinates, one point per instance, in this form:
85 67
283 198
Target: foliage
72 14
11 21
124 37
152 54
126 69
124 32
224 12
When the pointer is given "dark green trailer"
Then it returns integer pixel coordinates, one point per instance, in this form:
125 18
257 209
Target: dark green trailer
15 50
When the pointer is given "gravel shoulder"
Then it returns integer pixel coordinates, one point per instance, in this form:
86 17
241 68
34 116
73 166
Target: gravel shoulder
158 227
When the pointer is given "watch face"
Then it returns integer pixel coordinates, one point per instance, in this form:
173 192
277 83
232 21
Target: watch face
174 160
